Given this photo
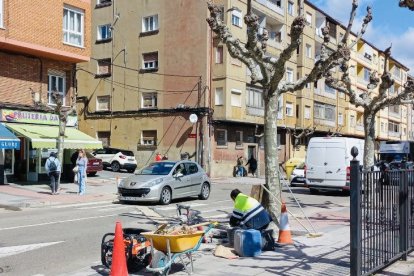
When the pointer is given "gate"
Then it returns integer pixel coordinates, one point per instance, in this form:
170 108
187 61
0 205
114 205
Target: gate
382 226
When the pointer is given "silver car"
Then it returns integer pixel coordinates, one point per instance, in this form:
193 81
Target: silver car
165 180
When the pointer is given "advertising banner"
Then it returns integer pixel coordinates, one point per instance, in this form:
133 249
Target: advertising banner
18 116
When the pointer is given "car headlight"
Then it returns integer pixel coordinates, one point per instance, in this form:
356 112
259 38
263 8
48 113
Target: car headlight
154 182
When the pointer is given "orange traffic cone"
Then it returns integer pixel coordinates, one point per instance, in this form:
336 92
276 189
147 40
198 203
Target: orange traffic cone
285 236
119 265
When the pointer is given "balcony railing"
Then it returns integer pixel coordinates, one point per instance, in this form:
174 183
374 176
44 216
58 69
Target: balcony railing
254 111
275 44
394 114
394 134
271 6
324 122
359 127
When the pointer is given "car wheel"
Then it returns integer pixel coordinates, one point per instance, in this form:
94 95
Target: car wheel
92 174
165 197
115 166
205 191
313 191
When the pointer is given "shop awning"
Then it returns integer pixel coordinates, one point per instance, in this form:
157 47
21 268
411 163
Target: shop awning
7 139
44 137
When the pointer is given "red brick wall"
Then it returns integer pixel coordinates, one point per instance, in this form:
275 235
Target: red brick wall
20 73
41 22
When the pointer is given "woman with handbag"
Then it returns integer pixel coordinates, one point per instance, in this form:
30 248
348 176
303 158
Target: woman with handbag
80 170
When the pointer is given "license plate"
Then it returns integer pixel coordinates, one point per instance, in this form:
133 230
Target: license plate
315 180
128 198
130 159
300 179
95 163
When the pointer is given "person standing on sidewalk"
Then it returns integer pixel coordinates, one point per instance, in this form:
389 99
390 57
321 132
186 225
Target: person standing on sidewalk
53 169
252 162
82 164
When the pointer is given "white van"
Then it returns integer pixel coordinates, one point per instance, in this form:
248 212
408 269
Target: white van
328 163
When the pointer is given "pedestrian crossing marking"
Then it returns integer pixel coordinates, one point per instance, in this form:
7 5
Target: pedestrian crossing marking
14 250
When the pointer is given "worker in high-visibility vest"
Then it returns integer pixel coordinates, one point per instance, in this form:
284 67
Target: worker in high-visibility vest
248 212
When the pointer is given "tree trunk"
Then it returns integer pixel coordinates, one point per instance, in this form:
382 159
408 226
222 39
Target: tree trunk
369 147
60 141
271 159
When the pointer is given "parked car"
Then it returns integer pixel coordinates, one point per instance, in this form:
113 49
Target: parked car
297 177
117 159
164 181
94 164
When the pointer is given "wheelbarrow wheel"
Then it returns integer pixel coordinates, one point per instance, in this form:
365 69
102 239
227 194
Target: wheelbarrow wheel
159 259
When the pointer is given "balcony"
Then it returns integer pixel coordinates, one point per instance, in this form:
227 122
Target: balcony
275 44
394 114
365 57
324 122
271 5
359 127
363 81
254 111
394 134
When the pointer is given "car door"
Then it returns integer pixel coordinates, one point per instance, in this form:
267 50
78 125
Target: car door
180 183
196 178
102 154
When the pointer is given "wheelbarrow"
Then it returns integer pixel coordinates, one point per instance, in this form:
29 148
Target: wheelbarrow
171 248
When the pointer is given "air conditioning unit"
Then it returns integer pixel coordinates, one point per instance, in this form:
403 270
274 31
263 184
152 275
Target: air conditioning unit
367 56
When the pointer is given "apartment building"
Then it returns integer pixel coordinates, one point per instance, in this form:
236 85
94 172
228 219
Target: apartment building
38 55
144 57
145 89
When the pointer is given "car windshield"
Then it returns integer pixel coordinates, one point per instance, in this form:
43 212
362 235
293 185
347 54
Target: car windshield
127 152
157 168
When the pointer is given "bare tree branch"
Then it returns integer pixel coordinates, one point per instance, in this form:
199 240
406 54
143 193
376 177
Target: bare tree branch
406 96
350 22
367 19
407 4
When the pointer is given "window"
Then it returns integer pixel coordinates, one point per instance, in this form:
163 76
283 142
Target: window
289 109
104 32
308 18
397 72
391 90
276 36
289 75
221 137
307 112
191 168
291 8
219 96
102 103
73 26
236 17
104 1
150 23
239 138
1 14
352 120
104 67
340 119
149 100
393 127
329 89
324 112
255 97
395 109
150 60
149 137
236 97
219 54
382 127
367 73
280 107
309 51
56 83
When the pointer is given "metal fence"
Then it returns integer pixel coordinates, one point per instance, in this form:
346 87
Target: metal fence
382 220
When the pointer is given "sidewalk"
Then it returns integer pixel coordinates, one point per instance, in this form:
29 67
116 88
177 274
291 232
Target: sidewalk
325 255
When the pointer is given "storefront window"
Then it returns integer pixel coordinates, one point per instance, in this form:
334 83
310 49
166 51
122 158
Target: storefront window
8 161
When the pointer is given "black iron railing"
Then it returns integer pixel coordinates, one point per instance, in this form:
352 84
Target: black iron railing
382 218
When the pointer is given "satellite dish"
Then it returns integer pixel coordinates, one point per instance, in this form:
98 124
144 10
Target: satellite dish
193 118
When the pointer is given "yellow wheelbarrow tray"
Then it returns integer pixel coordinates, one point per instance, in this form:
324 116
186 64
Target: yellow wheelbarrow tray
174 246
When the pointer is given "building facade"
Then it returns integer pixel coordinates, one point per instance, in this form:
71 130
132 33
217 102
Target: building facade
146 60
38 55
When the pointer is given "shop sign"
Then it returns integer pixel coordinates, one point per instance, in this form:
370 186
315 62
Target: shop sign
18 116
11 144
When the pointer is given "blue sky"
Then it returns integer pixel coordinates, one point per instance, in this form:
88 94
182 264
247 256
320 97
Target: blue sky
390 24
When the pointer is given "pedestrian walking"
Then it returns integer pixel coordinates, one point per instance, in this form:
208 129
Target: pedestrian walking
81 165
158 157
53 169
252 162
165 157
240 168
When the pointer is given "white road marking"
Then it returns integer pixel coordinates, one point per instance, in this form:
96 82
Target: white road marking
55 222
96 207
13 250
113 208
80 204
